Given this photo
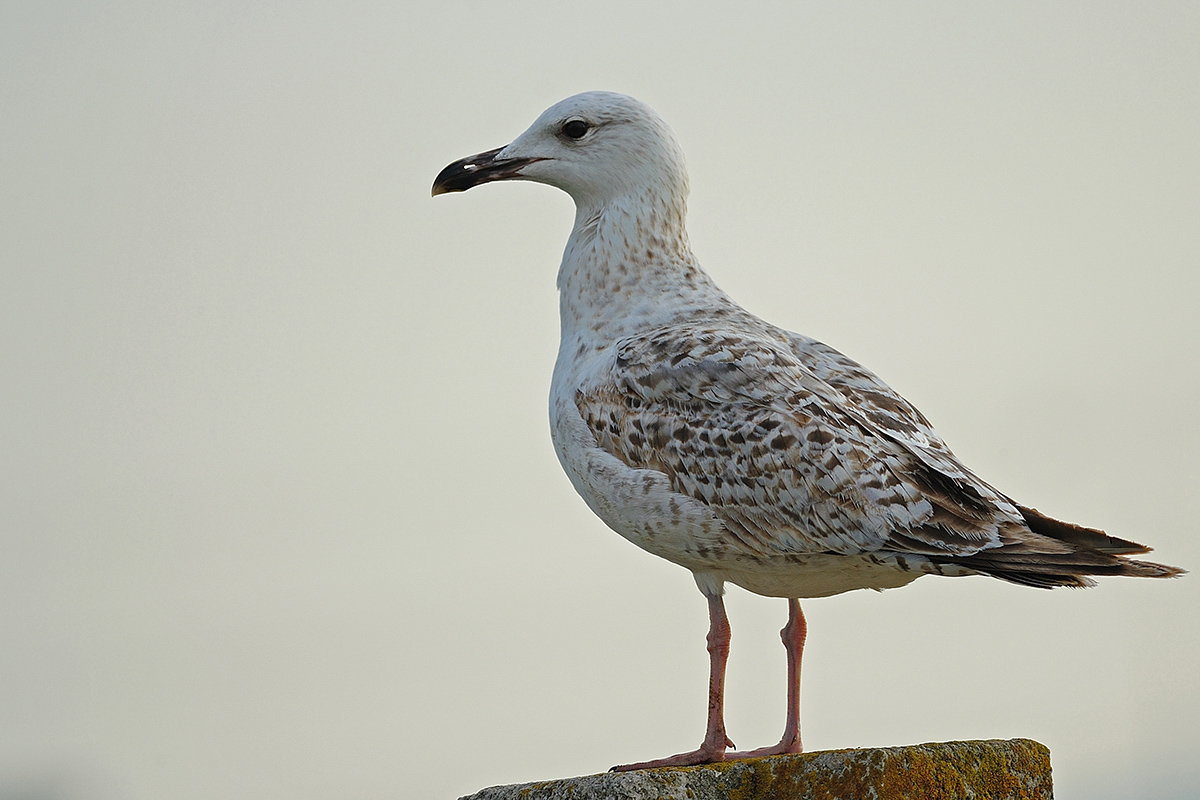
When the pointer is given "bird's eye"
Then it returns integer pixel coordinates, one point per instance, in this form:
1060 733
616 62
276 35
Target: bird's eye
575 129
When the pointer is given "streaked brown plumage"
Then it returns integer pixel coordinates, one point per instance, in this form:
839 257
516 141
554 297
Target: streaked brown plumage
734 448
798 449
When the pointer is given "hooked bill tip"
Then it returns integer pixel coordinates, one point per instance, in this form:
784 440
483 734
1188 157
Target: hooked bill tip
477 169
471 171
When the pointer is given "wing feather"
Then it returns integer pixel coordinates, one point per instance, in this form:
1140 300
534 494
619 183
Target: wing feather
791 461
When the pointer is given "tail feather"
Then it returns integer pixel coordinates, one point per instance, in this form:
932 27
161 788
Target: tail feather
1047 564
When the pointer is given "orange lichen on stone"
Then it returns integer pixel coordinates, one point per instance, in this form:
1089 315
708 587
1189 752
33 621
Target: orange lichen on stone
1016 769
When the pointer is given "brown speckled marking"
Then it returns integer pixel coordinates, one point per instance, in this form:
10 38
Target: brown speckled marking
843 465
734 448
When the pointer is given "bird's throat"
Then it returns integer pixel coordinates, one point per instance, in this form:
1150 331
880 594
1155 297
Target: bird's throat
622 271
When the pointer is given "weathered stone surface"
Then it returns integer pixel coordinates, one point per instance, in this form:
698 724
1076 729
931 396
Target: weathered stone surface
1016 769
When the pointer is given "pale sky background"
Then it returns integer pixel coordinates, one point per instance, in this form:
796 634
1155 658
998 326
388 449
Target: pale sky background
279 514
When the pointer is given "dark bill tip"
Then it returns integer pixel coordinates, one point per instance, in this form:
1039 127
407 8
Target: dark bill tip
472 171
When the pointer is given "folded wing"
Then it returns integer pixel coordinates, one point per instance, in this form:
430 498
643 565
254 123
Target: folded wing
798 449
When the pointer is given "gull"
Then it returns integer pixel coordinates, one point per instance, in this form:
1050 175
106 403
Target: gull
739 450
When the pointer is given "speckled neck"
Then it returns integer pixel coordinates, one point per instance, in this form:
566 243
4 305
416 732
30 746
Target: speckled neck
627 267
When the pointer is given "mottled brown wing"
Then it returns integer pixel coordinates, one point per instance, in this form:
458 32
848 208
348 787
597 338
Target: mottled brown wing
737 421
869 395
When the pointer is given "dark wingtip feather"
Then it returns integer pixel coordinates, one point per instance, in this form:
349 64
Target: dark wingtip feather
1148 569
1021 565
1090 538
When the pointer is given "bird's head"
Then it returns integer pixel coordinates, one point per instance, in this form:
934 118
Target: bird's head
596 146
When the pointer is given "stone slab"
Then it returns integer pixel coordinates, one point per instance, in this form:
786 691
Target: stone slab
995 769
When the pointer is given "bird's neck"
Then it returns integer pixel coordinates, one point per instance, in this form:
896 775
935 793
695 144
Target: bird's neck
628 267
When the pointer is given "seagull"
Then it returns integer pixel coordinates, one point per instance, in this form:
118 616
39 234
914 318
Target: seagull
739 450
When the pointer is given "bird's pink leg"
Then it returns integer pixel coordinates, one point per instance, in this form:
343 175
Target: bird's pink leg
793 635
715 740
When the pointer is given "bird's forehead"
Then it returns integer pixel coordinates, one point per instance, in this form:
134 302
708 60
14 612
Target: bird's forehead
596 107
